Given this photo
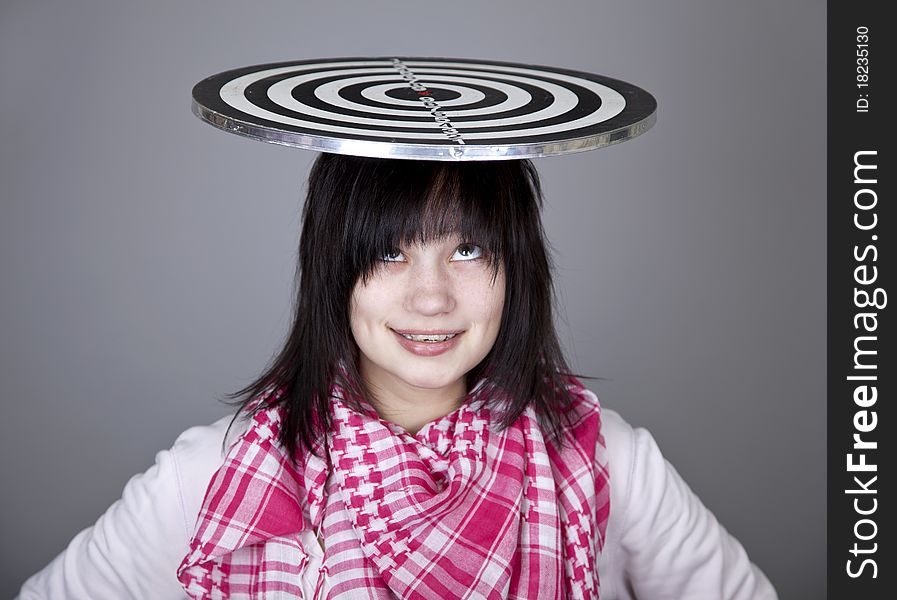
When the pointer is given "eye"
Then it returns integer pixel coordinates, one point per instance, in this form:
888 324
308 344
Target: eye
467 252
393 255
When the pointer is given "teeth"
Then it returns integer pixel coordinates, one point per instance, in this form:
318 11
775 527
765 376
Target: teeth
428 338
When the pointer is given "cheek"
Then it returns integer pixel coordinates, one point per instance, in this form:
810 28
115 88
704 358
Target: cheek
491 303
363 320
370 305
358 307
498 296
355 317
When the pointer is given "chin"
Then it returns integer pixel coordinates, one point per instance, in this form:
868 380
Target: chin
431 381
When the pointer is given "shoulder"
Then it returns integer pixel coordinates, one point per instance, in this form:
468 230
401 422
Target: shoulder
197 454
620 441
619 438
629 453
661 540
134 548
204 444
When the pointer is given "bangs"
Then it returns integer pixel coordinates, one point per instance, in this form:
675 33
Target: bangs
399 203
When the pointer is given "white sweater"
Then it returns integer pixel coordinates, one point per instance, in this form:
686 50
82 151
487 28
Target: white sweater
661 541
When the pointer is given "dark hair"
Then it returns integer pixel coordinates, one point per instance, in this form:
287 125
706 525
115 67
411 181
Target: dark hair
357 210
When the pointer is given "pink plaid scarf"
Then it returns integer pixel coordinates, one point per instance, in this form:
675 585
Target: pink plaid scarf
459 510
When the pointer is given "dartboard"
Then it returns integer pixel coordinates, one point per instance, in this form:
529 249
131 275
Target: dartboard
424 108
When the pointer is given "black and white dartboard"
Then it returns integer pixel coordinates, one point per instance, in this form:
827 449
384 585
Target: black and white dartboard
425 108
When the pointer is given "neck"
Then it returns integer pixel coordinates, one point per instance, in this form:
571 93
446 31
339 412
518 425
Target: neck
408 406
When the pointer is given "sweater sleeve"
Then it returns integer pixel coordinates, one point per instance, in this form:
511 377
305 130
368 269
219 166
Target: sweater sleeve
672 545
134 548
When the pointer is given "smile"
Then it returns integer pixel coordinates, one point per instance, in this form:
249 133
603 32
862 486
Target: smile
428 337
428 344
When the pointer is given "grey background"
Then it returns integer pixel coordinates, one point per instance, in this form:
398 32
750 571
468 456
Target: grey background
146 259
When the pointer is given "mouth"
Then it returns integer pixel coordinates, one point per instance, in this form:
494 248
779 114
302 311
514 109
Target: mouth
427 337
427 343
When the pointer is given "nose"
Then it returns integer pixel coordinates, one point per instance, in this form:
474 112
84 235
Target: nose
430 290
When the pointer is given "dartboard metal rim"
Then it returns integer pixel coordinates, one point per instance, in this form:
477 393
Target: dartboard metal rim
425 151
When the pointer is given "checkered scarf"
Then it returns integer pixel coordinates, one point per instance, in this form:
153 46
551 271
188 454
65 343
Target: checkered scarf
459 510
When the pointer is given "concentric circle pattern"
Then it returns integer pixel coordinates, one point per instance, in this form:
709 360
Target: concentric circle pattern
424 108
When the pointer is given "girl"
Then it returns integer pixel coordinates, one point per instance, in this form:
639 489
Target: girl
420 434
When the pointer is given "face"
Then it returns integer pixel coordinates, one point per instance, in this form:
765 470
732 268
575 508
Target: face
426 316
